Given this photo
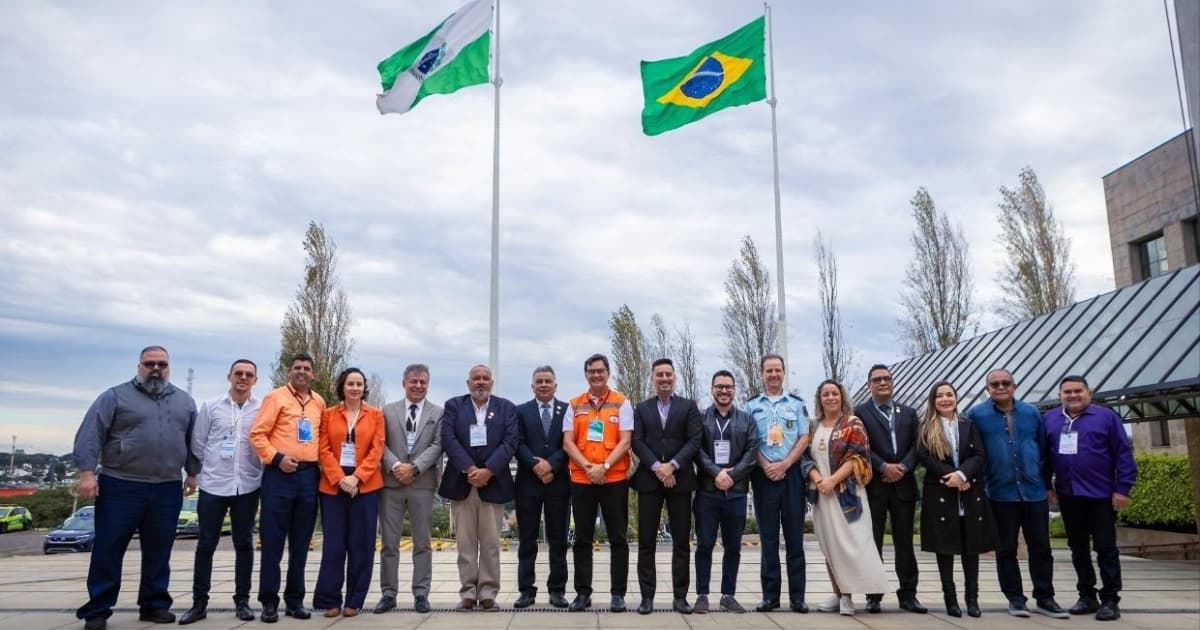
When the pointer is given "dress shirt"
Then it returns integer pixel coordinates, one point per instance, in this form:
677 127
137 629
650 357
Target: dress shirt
218 420
416 416
1017 469
788 412
1103 463
276 429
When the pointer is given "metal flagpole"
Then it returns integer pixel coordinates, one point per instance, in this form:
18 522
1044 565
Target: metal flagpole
782 306
494 318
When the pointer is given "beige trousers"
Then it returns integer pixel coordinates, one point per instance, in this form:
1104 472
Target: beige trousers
477 529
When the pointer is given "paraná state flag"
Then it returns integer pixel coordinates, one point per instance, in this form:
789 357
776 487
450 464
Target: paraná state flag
724 73
452 56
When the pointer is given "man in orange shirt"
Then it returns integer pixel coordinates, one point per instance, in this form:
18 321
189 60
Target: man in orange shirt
285 436
597 432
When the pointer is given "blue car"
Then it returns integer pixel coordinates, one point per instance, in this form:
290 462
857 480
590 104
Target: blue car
76 534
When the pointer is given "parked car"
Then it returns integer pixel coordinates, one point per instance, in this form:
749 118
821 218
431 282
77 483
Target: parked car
76 534
14 517
189 520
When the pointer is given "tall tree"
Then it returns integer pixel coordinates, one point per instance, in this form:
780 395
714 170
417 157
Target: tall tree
1038 275
377 391
629 355
937 301
835 354
748 317
686 365
659 345
318 322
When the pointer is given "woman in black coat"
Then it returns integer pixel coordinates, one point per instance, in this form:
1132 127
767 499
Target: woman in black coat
955 515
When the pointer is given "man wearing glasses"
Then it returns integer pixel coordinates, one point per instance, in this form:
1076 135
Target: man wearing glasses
138 434
1014 438
230 477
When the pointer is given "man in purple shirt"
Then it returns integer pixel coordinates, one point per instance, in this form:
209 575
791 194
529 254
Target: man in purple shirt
1092 463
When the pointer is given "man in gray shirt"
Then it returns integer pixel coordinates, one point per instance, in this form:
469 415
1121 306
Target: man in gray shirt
129 449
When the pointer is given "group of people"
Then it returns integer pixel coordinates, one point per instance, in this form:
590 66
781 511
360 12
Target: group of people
990 474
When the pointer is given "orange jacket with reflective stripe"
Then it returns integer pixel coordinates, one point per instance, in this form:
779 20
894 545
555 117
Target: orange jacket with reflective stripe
596 452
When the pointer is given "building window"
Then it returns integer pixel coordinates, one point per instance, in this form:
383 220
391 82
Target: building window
1154 257
1160 434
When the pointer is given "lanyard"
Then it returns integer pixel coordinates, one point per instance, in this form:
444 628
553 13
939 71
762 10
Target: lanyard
351 423
236 413
775 416
303 403
721 428
1070 421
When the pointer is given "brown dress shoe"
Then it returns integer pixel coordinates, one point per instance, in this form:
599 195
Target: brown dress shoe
466 604
489 605
333 612
349 612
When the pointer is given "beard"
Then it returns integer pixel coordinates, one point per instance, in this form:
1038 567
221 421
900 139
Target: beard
154 385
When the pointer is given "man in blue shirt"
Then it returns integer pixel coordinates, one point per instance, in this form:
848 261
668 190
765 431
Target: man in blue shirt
1014 438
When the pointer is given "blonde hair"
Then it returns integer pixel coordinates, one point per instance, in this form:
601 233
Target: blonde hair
931 436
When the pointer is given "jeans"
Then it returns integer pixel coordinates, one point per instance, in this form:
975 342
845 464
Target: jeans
211 509
728 513
1032 518
1093 523
781 503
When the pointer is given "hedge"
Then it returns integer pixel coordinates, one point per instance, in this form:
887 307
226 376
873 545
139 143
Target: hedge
1162 495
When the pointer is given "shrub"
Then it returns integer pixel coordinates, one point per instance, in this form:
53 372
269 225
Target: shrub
1162 496
50 507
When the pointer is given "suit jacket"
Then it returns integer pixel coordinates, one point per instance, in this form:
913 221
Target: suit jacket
502 438
907 425
533 442
742 434
426 453
679 440
940 528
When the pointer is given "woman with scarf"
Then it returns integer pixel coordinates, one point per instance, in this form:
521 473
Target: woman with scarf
955 515
837 464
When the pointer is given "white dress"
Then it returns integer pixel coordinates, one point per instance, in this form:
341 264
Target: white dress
849 547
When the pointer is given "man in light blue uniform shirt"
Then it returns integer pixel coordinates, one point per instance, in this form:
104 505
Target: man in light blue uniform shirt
778 484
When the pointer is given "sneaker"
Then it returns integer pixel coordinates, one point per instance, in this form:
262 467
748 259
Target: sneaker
729 604
1108 612
846 606
1018 609
1050 608
830 604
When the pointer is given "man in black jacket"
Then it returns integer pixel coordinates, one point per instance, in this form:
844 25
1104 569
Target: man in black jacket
892 429
728 452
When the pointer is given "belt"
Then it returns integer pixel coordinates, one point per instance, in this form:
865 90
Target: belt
305 465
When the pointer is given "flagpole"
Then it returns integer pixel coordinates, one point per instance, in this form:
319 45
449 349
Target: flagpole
494 318
782 306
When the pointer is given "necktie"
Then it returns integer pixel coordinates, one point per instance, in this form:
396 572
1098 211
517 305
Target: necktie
546 419
886 410
411 425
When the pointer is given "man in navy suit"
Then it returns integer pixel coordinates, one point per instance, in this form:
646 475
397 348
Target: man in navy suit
479 437
542 485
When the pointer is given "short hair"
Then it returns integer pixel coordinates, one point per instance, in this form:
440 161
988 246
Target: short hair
153 348
662 361
1074 378
762 363
1005 370
340 388
720 373
597 357
877 366
414 367
847 409
543 369
477 366
302 356
234 364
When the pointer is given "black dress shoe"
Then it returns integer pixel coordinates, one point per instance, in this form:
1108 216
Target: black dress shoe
646 607
297 613
386 603
617 604
193 614
270 613
800 607
157 615
524 601
952 607
1085 606
96 623
873 606
558 600
973 608
912 605
581 603
1109 611
243 612
767 605
681 606
420 604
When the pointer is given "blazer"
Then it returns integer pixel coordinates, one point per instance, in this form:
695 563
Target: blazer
533 442
907 426
502 437
368 448
679 440
742 434
426 453
940 530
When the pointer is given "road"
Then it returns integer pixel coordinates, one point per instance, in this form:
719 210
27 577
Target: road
26 543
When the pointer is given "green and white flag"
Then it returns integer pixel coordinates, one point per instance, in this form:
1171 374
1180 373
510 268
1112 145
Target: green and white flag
452 56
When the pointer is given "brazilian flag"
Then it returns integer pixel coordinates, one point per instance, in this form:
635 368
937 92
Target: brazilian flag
725 73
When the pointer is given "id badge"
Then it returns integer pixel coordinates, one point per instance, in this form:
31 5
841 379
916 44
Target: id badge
1068 444
304 432
721 452
596 430
349 453
775 434
478 435
227 447
411 439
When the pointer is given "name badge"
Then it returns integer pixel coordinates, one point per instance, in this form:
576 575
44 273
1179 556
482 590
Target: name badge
227 447
304 432
596 430
411 439
478 435
1068 443
775 434
349 455
721 452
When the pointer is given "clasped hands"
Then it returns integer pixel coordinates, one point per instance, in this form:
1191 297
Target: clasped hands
893 472
478 477
956 481
542 469
349 485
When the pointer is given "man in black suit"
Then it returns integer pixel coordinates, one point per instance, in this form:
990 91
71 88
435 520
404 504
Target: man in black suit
666 436
892 429
542 484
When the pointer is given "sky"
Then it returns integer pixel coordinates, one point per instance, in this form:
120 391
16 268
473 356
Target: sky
160 162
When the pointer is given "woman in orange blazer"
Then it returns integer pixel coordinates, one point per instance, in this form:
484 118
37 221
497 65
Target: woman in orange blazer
351 447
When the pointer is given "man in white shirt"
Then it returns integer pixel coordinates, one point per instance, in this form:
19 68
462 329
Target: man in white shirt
229 480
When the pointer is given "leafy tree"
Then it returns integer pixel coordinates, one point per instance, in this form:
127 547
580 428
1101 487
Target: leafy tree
748 317
630 364
1038 276
937 301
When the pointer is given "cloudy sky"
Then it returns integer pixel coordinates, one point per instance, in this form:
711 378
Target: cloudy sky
160 161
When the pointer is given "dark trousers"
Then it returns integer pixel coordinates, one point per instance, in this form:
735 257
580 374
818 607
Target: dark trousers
211 510
781 504
970 565
123 507
289 513
1093 523
612 501
883 502
679 517
530 508
349 526
715 510
1032 519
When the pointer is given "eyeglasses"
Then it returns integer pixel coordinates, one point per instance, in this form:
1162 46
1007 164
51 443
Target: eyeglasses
879 380
1000 384
723 388
151 365
599 371
241 374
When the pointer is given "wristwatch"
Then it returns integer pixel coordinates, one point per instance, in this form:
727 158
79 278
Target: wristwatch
606 465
